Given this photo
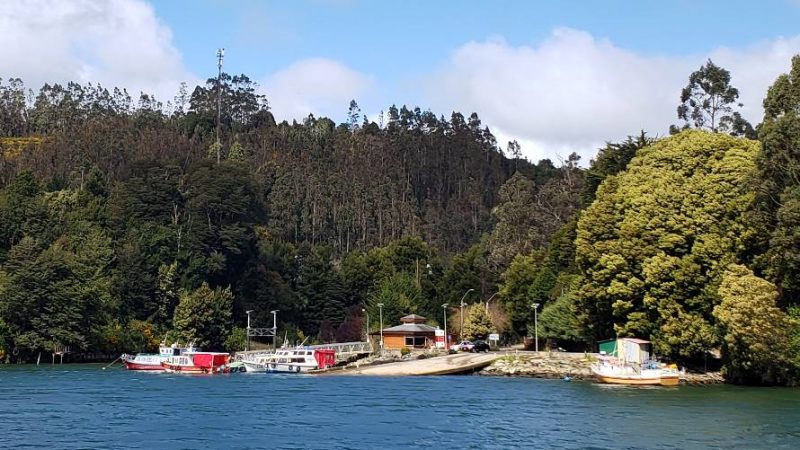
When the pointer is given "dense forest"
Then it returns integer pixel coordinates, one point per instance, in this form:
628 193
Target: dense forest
124 222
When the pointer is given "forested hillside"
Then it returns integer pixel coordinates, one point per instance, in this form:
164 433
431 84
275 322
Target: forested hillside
127 221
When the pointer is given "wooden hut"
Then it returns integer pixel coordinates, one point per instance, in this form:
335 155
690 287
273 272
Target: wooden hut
412 333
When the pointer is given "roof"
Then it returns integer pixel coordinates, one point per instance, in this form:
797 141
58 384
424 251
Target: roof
634 340
413 318
408 328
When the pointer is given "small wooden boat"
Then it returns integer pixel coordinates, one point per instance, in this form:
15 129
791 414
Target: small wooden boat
197 362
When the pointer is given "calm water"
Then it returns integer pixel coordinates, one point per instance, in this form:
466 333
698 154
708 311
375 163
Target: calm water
81 406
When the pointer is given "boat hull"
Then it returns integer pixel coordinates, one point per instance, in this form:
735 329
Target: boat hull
186 369
661 381
638 380
131 365
198 363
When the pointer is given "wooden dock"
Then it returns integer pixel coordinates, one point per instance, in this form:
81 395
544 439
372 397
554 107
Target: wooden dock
441 365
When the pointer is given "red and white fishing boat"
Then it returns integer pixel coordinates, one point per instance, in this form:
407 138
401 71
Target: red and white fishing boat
293 360
152 361
198 362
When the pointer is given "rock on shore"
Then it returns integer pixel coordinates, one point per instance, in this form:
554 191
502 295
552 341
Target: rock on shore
560 365
541 365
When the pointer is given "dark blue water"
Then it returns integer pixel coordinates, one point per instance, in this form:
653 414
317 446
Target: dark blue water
81 406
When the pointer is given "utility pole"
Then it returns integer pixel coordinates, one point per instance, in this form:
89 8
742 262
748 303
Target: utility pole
247 348
380 311
274 329
536 325
363 310
220 56
446 340
461 331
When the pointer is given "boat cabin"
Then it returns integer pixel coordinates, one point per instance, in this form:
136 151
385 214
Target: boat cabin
412 333
176 349
629 350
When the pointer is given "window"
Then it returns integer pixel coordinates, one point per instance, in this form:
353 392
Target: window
415 341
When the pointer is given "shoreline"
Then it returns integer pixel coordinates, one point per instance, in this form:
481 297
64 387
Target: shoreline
507 363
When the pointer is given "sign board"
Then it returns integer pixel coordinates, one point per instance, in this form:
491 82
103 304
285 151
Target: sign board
494 337
439 338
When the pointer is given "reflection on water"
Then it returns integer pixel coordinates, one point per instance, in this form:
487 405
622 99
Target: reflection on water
74 406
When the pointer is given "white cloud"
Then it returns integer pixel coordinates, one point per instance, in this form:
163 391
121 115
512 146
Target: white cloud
316 85
574 91
115 43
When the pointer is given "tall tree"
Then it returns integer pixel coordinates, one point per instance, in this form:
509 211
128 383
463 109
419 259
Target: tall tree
707 102
777 185
203 316
651 246
755 332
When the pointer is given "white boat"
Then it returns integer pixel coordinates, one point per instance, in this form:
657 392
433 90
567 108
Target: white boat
613 371
292 360
152 361
627 361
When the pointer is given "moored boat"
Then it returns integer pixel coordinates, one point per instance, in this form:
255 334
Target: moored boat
612 371
293 360
152 361
197 362
627 361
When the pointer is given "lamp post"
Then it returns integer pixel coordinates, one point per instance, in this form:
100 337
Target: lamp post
274 329
461 331
490 299
380 311
247 347
446 341
363 310
536 325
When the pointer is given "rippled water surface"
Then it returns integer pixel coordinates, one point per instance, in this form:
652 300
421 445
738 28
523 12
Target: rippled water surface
81 406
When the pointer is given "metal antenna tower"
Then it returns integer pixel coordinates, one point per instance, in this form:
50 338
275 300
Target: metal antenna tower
220 56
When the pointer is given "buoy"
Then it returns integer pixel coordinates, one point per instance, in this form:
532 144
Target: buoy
567 378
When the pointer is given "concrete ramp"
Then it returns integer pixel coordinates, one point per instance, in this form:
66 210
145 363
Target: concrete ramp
441 365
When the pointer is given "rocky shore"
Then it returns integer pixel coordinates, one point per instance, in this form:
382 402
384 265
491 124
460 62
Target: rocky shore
559 365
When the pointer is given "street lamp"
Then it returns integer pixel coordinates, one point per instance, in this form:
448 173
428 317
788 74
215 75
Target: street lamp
490 299
446 340
363 310
247 347
536 325
275 329
462 311
380 311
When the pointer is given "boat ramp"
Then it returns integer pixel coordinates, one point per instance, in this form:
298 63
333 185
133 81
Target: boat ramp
441 365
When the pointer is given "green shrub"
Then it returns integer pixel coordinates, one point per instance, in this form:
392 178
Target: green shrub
404 351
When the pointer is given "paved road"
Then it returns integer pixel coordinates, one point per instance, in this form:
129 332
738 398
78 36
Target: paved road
441 365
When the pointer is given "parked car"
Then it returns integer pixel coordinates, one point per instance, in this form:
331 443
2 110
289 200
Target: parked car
480 346
466 346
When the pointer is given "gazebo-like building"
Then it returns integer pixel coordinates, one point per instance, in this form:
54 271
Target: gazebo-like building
412 333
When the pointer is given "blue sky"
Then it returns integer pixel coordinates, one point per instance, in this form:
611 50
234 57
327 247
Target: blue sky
393 39
559 76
